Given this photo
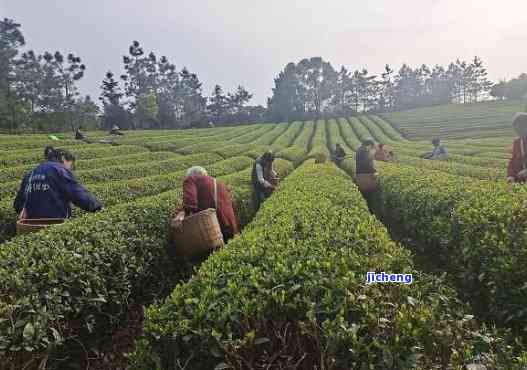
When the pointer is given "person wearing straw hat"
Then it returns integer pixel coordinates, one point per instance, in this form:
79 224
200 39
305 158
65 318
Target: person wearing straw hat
201 192
517 168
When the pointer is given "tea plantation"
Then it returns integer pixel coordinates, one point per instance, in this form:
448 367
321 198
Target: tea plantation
104 290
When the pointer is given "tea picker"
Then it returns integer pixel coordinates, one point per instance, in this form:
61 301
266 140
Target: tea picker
517 167
206 220
46 193
439 152
263 178
365 172
338 155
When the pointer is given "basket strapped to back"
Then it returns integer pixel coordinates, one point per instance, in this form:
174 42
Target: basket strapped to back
200 232
366 182
26 226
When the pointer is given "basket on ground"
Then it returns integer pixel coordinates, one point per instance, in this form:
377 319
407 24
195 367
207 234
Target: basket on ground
197 234
366 182
26 225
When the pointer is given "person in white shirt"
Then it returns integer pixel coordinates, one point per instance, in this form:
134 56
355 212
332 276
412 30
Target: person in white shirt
439 152
264 178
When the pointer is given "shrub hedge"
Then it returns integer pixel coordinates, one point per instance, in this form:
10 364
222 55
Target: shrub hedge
18 172
291 292
348 134
87 152
388 129
73 282
288 137
117 192
474 229
132 171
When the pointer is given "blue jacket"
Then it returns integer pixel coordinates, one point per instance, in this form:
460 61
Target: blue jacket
49 189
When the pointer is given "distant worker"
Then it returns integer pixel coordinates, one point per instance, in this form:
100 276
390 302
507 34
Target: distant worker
365 156
79 135
517 168
366 173
439 151
383 153
116 130
339 154
48 190
199 190
48 152
264 178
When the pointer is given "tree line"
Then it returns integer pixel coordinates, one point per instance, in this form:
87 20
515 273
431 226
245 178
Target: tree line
152 93
515 88
40 92
313 88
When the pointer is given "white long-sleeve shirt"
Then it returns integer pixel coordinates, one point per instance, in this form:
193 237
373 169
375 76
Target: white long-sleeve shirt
439 153
260 176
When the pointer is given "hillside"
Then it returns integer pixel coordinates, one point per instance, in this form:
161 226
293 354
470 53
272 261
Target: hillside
456 121
294 281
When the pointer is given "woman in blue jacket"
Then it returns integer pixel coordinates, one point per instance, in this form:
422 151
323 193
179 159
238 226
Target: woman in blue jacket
49 190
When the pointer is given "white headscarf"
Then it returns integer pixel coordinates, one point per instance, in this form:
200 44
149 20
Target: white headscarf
196 170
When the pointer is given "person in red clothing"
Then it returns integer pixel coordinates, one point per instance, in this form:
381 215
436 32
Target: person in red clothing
517 169
383 153
198 195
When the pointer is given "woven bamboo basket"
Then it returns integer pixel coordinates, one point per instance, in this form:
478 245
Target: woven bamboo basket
366 182
197 234
26 225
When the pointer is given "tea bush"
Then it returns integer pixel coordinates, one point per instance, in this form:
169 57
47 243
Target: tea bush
76 280
474 228
291 291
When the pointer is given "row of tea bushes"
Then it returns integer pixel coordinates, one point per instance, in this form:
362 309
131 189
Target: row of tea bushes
72 283
124 172
18 172
475 229
35 156
291 292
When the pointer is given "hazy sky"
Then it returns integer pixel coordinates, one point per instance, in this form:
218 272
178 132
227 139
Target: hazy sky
233 42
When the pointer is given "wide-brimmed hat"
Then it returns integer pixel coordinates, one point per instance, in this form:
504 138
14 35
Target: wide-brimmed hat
519 120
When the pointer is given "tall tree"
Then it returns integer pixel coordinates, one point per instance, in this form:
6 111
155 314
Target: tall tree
287 100
340 95
318 79
237 100
387 90
218 106
11 40
114 111
192 102
480 84
86 113
58 85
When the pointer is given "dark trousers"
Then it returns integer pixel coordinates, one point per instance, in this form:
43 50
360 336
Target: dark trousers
260 195
370 198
